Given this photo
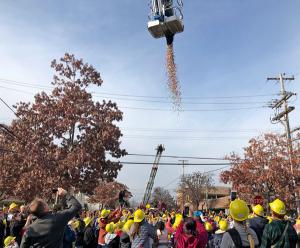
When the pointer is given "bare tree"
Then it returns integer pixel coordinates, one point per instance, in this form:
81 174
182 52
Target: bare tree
163 196
195 186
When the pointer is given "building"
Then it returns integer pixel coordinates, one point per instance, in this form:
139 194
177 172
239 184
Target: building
216 198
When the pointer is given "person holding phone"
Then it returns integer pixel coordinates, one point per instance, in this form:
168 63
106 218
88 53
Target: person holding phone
48 229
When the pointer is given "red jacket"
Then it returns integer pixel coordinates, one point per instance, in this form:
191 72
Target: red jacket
189 241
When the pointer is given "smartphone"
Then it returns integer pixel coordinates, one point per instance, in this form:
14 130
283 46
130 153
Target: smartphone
54 191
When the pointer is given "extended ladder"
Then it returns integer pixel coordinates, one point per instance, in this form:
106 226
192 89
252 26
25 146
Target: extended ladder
148 191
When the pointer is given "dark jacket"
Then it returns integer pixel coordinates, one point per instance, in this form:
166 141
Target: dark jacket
48 231
125 241
16 227
80 233
258 225
2 233
273 232
89 239
69 237
115 243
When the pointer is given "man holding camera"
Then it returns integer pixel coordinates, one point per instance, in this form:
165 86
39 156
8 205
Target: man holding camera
47 230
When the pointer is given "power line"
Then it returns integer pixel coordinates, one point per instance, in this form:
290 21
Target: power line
171 110
189 97
205 172
187 103
151 163
32 85
190 110
181 137
17 90
172 156
149 101
186 130
6 104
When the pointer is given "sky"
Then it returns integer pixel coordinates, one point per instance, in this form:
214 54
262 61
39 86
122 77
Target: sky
226 52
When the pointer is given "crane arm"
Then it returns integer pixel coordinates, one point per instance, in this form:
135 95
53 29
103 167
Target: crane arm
154 169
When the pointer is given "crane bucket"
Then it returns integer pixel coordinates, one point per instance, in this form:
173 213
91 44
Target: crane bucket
165 18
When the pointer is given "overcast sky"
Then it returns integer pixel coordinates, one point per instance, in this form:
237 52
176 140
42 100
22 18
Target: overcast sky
228 49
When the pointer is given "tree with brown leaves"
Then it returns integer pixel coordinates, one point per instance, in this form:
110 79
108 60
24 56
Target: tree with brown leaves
107 193
264 170
62 138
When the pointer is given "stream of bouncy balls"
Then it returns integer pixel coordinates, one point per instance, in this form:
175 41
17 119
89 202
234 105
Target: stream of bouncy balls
173 82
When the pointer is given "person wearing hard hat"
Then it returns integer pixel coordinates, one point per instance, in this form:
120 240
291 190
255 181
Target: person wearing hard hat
79 227
107 217
69 235
89 240
10 242
258 222
125 239
12 209
223 227
141 231
112 240
280 232
240 235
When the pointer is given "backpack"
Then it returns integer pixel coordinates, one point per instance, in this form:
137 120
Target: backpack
236 238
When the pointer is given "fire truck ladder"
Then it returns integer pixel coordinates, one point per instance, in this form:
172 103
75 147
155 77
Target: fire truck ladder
148 191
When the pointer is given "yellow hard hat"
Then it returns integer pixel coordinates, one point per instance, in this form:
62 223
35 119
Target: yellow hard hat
119 225
75 224
127 225
270 219
278 207
9 240
139 216
110 228
178 219
104 213
87 220
217 219
223 225
12 206
208 226
148 206
164 217
239 210
258 210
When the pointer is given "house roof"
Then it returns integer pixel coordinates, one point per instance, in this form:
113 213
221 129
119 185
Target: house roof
219 203
220 190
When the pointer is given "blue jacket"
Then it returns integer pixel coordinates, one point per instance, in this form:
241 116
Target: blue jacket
258 225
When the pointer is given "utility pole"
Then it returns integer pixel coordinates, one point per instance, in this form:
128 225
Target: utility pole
184 162
283 117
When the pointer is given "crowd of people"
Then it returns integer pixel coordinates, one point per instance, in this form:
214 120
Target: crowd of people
38 226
